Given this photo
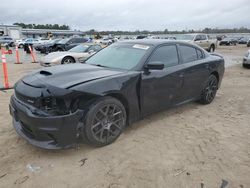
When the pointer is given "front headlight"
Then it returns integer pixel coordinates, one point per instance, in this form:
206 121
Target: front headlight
58 106
53 106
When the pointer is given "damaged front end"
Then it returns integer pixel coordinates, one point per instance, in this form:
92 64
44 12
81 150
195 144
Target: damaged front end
47 116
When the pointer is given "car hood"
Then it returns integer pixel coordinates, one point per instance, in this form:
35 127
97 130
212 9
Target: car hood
67 76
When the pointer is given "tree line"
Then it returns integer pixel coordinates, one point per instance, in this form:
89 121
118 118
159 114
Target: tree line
43 26
137 32
166 31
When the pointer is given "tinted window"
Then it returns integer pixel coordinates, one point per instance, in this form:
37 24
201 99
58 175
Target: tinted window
165 54
74 40
188 53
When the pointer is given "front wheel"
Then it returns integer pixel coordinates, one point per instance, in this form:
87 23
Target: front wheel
104 121
68 60
209 90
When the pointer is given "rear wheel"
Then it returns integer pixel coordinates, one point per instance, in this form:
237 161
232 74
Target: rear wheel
68 60
20 46
246 65
104 121
209 90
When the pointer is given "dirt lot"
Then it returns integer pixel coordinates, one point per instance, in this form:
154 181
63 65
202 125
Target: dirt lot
192 146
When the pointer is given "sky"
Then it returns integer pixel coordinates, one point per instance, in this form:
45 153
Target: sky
129 15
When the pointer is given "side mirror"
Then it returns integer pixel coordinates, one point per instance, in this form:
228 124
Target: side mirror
155 65
91 51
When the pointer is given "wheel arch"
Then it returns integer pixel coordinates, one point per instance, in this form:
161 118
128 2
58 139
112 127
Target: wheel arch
68 56
123 100
216 74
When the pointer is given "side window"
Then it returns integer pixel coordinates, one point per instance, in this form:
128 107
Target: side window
198 38
97 48
74 40
203 37
188 53
165 54
82 40
91 48
199 54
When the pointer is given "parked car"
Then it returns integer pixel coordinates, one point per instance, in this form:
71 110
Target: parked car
32 41
47 47
246 60
76 54
220 37
68 43
59 106
229 41
202 40
141 37
243 40
7 40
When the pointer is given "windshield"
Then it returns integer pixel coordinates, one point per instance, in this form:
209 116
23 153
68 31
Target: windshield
63 41
79 49
120 56
185 37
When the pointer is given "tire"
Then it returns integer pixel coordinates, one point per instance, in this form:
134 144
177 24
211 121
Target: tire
68 60
104 122
20 46
246 66
11 44
209 91
211 48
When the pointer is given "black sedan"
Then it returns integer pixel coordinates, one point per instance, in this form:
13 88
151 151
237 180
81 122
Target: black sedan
47 47
229 41
93 102
68 43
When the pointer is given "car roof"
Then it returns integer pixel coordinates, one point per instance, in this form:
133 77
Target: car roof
155 42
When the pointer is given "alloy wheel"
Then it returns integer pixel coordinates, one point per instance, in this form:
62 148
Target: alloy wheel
211 89
108 123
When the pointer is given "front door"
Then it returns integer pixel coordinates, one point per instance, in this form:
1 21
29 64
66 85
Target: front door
161 88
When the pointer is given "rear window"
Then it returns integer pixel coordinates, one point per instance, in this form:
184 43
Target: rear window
188 53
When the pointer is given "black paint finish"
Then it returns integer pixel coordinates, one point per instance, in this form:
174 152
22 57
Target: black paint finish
49 106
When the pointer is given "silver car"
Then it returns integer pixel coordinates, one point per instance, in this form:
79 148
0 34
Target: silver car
246 59
74 55
7 40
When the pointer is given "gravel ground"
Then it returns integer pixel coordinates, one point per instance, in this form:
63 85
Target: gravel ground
192 146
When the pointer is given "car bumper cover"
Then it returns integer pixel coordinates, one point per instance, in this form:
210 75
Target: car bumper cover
53 132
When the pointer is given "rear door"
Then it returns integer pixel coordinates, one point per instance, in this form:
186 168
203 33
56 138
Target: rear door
195 71
161 88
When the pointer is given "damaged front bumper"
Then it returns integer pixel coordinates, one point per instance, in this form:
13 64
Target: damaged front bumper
50 132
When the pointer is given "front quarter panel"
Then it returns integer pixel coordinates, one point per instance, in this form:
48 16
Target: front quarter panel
124 87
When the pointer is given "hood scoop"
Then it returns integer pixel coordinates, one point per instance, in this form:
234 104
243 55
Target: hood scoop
45 73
